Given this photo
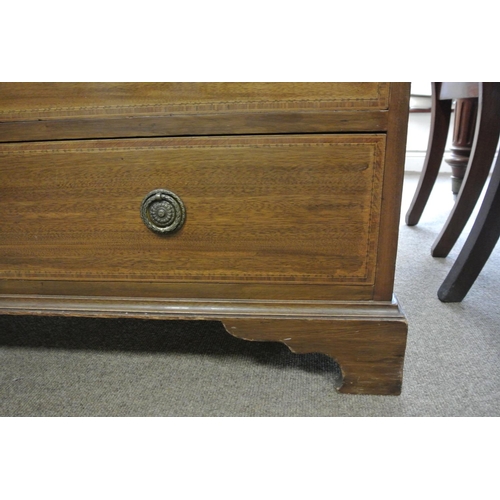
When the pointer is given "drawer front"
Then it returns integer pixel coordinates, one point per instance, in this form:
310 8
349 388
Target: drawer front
63 111
261 209
33 101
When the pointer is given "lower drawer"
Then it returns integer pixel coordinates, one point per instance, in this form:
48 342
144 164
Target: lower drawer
252 210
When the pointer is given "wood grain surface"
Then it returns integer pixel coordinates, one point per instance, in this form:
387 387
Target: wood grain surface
170 125
292 194
56 111
302 209
392 191
370 352
32 101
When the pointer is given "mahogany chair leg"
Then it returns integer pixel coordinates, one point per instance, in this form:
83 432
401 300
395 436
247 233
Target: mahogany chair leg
478 246
440 124
478 168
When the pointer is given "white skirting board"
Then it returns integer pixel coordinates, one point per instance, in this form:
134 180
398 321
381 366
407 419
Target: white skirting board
414 162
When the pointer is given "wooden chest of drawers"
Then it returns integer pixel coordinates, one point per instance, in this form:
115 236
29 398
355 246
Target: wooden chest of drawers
272 207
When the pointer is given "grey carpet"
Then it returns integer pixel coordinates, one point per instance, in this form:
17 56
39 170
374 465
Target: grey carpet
127 367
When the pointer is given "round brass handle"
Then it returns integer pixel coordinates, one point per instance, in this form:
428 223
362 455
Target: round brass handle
163 211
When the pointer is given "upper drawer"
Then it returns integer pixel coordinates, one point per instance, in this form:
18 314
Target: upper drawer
33 101
35 111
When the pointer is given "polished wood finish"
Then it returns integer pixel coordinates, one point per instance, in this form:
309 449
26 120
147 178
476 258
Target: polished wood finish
178 308
480 243
80 209
291 227
35 101
392 191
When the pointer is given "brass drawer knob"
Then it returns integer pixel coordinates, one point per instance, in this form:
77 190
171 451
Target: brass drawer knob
163 211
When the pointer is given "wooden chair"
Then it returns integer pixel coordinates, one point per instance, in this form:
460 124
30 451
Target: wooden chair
484 144
486 229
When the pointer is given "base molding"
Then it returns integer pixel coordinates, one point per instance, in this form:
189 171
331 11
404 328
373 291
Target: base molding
367 339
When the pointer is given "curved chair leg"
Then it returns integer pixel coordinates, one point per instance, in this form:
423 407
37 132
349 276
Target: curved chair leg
478 247
478 168
440 124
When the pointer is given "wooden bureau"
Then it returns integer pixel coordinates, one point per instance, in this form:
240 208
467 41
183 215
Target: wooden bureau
272 207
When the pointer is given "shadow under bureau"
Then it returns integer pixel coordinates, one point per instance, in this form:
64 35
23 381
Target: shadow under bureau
272 207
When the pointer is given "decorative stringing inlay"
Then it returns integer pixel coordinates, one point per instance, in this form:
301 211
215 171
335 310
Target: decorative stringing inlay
218 98
292 152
